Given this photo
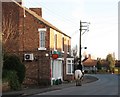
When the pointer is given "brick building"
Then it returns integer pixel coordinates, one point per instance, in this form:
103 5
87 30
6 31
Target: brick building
89 64
43 48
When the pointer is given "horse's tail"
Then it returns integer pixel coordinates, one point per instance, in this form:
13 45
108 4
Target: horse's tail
78 74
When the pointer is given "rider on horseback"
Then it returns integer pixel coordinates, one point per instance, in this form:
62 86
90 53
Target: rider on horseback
79 74
80 67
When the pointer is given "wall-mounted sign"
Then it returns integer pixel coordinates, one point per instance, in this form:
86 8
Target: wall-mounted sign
54 56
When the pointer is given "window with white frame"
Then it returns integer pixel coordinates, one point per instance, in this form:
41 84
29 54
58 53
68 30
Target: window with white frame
68 49
63 44
55 40
42 32
69 65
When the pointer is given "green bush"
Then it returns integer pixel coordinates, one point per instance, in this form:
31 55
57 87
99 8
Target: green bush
53 82
12 62
12 79
58 81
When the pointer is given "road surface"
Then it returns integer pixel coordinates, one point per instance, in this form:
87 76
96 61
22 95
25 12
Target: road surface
106 85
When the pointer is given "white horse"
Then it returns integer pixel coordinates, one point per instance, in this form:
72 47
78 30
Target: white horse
78 77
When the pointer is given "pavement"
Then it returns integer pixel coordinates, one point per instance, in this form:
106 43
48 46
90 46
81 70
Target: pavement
36 90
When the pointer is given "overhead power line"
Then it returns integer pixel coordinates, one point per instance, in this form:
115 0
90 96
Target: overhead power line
54 12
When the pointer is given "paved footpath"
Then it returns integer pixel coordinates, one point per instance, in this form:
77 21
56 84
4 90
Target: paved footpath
35 90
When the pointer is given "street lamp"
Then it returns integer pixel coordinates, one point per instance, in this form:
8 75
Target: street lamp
84 47
84 26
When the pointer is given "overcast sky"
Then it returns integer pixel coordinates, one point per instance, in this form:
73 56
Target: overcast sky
102 37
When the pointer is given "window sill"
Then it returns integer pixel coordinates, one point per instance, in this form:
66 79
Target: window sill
60 59
41 48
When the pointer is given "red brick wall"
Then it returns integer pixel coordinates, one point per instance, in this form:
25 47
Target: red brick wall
37 11
10 23
38 68
30 36
25 39
29 43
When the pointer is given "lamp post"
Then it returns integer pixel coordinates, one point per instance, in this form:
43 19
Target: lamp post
83 26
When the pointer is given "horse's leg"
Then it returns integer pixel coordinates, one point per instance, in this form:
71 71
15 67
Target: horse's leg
82 76
76 82
80 82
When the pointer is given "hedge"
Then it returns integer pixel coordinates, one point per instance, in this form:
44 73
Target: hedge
12 62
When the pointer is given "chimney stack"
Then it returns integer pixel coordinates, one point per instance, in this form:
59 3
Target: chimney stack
37 11
19 1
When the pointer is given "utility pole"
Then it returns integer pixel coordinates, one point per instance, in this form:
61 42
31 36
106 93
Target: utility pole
81 29
80 43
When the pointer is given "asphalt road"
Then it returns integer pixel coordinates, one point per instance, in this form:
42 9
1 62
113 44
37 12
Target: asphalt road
106 85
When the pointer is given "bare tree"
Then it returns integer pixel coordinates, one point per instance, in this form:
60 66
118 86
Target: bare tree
74 51
8 26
